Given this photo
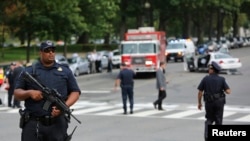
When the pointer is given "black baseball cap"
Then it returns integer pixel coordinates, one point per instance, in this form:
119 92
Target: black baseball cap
123 64
13 63
215 66
46 44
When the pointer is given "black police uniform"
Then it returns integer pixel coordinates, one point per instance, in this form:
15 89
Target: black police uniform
127 85
213 87
16 73
40 125
11 87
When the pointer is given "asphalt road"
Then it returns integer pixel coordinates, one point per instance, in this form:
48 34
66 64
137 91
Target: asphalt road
100 109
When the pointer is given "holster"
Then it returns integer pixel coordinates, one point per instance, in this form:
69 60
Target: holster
24 118
213 97
68 138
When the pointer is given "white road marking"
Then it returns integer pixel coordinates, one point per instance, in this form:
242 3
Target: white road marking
13 111
149 113
4 108
225 114
111 112
178 111
83 91
93 109
182 114
244 118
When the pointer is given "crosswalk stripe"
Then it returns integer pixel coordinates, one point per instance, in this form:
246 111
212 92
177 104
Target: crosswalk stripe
149 113
225 114
116 111
112 112
244 118
201 118
150 105
94 109
4 108
182 114
13 111
88 103
228 113
237 108
178 111
101 92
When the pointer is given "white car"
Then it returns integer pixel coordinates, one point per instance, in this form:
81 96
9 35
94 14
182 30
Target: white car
116 59
59 58
104 59
225 61
79 65
176 49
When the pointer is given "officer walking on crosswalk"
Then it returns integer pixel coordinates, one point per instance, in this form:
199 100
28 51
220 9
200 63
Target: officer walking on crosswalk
125 80
213 88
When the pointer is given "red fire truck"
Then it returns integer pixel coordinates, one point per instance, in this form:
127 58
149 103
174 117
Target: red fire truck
1 76
143 49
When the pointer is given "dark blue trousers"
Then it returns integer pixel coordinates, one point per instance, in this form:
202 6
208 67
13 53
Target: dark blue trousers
127 92
36 131
214 113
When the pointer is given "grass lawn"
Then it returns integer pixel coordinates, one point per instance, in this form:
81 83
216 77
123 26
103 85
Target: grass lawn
20 54
9 54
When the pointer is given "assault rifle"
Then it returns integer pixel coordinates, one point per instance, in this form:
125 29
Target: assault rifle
51 96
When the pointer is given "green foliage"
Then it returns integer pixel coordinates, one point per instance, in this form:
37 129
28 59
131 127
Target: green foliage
19 53
98 19
90 47
99 16
16 54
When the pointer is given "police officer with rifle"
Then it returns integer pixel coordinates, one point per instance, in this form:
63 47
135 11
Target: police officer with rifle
213 88
48 89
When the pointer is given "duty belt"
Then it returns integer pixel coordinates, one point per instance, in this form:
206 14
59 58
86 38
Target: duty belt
44 120
213 97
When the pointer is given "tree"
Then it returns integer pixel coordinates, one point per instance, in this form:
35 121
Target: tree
66 20
55 19
98 16
3 16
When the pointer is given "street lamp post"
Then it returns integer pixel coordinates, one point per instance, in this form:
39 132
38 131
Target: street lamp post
220 19
2 40
147 7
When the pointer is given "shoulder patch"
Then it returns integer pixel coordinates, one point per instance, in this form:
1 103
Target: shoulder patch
28 64
64 65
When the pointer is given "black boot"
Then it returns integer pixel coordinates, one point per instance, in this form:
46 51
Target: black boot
125 111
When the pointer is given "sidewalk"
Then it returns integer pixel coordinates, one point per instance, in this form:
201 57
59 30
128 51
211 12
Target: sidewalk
3 97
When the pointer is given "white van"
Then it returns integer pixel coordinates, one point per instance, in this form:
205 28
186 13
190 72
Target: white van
176 49
116 59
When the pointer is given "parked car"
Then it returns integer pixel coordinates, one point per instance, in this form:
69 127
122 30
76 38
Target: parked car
223 43
79 65
233 43
224 49
176 49
226 62
61 59
201 49
104 58
116 59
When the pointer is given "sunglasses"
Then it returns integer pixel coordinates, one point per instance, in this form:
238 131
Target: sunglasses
48 50
210 67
